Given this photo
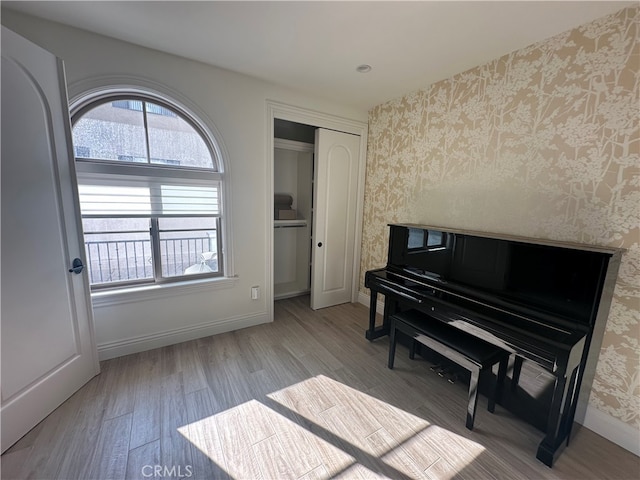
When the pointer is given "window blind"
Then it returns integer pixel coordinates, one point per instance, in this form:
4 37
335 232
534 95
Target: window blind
130 198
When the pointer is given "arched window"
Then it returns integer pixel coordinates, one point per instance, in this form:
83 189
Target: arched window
150 187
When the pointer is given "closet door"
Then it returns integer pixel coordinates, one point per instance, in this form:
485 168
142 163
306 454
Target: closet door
334 219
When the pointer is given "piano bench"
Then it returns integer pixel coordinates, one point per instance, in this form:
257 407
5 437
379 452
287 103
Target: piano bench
461 348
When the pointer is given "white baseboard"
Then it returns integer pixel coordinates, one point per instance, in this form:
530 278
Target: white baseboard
612 429
147 342
365 299
602 423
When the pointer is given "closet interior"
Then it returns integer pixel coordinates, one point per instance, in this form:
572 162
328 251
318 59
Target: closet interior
293 207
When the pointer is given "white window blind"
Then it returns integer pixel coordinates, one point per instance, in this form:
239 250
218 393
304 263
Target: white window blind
143 199
112 190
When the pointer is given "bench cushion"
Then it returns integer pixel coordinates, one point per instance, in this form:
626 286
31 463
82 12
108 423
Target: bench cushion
475 349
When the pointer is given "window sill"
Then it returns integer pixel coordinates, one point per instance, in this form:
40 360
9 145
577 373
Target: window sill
151 292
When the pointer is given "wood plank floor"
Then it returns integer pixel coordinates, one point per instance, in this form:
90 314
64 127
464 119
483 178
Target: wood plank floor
304 397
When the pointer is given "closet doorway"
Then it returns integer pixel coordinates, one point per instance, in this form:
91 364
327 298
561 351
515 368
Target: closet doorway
293 149
318 181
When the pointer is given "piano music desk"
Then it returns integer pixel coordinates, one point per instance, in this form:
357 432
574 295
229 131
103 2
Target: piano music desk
465 350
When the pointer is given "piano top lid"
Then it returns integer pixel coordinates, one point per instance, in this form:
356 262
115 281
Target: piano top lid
514 238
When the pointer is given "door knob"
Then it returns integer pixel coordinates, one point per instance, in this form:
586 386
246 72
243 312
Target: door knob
76 266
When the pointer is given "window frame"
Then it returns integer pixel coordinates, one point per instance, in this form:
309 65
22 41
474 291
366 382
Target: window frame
87 167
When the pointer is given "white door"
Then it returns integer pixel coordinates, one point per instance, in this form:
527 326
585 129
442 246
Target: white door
334 219
48 351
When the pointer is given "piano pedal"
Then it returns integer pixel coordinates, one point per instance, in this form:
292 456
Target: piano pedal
443 372
436 368
452 378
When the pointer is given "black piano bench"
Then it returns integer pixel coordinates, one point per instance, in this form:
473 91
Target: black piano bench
462 348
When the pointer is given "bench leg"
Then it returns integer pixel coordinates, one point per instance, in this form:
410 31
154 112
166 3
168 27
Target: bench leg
473 397
412 350
515 376
392 344
497 392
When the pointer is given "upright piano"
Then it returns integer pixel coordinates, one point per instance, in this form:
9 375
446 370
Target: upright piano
544 301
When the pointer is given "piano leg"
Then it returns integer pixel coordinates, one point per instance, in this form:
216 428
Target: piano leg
373 302
573 397
376 332
554 441
392 344
563 404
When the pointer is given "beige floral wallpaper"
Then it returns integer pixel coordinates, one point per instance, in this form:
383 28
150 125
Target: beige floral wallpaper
543 142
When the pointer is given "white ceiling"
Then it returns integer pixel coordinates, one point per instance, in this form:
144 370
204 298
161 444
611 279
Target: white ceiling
315 46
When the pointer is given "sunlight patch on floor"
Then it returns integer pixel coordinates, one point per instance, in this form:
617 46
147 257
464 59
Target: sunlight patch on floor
324 428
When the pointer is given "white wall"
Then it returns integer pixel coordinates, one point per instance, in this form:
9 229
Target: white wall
234 105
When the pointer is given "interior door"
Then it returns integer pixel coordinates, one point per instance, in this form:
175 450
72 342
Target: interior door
48 351
334 219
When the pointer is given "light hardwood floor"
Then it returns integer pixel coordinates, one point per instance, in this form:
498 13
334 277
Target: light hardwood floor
304 397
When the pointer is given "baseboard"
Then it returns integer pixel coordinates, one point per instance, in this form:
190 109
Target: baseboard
612 429
283 296
365 299
147 342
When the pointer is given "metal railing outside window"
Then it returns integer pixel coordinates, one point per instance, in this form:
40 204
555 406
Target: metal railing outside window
116 261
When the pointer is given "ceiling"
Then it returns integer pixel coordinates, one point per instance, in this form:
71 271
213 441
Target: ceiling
316 46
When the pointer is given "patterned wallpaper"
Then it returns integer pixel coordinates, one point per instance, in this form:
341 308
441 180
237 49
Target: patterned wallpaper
543 142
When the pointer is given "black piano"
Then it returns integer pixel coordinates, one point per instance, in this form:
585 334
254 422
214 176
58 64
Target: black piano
546 302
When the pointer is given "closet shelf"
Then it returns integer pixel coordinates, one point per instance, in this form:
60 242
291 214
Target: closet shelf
289 223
